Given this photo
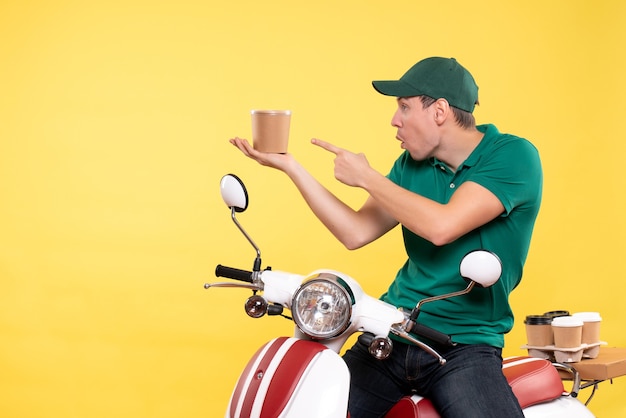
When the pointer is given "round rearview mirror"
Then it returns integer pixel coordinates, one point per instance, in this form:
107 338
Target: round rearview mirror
482 267
234 192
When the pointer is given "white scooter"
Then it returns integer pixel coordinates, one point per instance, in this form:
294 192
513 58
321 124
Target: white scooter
304 376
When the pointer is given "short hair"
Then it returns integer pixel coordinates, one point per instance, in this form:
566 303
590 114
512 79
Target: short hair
461 117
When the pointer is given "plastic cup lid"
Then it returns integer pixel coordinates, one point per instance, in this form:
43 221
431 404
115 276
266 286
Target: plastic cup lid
567 321
553 314
588 316
537 320
271 112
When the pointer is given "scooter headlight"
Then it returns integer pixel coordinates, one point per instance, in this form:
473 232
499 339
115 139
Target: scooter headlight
322 306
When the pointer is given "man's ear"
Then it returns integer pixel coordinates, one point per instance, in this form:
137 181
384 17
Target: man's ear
442 110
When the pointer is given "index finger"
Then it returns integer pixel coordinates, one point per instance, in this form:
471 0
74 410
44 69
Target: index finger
326 145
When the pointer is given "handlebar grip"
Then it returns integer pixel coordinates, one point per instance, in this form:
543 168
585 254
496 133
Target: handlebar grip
233 273
433 335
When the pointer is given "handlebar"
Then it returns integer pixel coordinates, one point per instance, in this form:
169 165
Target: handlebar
233 273
433 335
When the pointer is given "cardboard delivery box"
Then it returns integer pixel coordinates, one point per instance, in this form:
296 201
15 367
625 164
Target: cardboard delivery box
610 363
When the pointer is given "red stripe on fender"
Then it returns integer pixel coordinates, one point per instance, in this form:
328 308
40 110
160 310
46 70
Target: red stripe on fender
287 376
251 390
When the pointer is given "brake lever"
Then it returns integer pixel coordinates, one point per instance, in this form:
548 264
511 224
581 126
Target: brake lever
229 284
398 330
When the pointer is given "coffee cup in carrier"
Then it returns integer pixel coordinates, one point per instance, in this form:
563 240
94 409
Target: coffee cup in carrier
567 331
591 326
270 130
539 330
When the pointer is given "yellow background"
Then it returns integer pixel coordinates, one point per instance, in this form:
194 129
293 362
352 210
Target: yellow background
114 121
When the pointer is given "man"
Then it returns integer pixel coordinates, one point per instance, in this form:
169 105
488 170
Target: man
457 187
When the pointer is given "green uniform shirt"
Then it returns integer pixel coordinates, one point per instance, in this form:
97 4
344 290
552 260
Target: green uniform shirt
510 168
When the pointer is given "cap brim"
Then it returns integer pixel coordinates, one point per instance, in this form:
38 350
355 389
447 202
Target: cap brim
397 88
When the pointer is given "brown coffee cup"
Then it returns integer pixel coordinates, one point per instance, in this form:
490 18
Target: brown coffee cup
270 130
591 326
539 330
567 332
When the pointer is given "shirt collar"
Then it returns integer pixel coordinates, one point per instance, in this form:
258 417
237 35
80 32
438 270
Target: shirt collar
490 132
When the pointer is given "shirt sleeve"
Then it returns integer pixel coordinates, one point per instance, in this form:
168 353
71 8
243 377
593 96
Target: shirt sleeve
511 171
398 166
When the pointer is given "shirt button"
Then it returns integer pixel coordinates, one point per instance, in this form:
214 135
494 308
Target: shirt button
452 186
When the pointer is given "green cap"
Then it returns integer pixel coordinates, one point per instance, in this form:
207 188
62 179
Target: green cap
437 78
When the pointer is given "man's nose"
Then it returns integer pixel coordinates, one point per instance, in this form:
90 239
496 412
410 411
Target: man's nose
395 120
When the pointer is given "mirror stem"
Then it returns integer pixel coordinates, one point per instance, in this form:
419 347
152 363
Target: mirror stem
416 310
257 261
